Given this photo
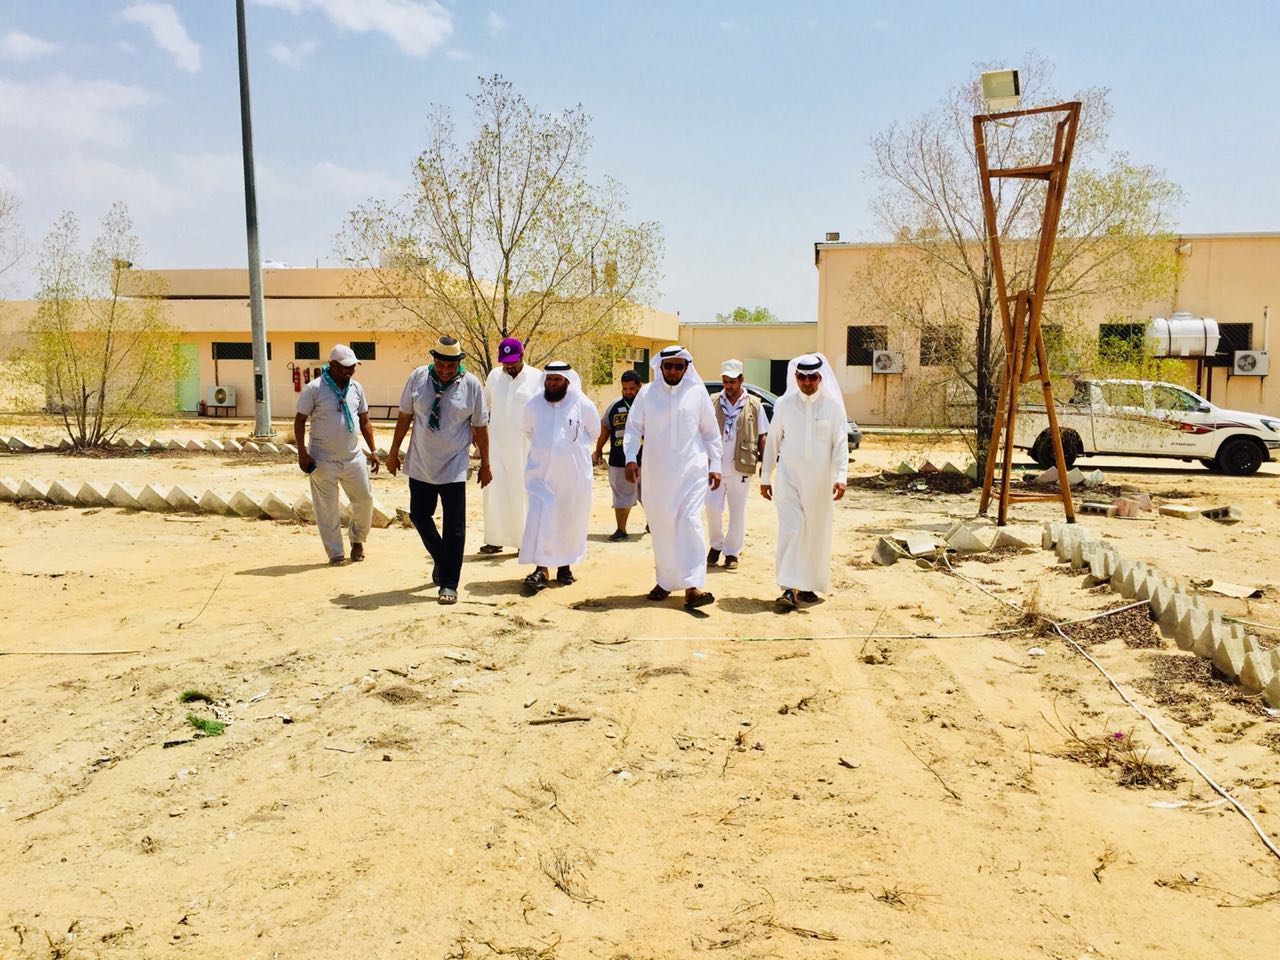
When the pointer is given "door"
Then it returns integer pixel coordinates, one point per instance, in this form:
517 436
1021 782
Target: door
641 366
1179 411
187 382
778 376
1126 424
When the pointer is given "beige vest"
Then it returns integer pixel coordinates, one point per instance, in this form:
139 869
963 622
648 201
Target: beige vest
745 433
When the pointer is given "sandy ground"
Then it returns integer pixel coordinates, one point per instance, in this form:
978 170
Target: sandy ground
408 807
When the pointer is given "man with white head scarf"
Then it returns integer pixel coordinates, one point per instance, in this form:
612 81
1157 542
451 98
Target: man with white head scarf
559 425
808 446
510 385
674 419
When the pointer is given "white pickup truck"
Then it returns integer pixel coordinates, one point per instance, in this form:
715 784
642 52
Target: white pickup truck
1142 418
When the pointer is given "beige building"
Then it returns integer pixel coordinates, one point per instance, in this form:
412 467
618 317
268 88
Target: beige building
763 348
1234 278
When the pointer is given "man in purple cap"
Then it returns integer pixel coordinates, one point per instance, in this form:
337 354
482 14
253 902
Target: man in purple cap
509 387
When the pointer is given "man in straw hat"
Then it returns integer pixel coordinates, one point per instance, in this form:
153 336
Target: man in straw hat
673 418
743 425
560 425
444 404
808 447
335 404
509 386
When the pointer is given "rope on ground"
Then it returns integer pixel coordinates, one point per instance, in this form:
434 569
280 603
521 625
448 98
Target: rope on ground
1250 623
1217 787
857 636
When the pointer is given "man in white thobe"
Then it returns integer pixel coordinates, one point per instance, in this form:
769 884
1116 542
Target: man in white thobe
674 419
743 425
509 386
808 447
559 425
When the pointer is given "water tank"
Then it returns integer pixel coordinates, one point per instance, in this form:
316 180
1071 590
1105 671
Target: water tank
1183 335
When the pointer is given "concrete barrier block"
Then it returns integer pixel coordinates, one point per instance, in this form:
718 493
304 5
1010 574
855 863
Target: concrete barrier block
18 445
1122 568
1019 537
251 447
244 505
156 445
1256 672
1047 476
194 446
269 447
904 467
1095 478
183 500
91 495
1098 508
921 544
381 519
1078 550
1047 536
1160 599
381 452
211 502
304 509
1193 623
33 490
153 500
215 446
1271 695
174 445
123 496
1179 511
928 467
289 450
1229 514
1075 477
138 444
1228 656
60 494
887 552
950 467
1136 577
233 446
1147 586
275 506
971 470
8 489
971 540
1174 612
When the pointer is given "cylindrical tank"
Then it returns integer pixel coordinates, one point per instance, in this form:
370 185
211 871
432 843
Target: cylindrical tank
1183 335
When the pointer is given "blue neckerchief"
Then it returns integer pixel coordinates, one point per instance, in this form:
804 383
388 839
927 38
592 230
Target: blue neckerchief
342 399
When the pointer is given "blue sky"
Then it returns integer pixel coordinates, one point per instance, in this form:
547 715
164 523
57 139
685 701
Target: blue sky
742 128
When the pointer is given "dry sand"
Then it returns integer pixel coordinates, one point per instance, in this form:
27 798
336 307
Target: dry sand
408 807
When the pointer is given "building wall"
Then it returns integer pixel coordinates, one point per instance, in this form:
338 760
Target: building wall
757 345
1230 277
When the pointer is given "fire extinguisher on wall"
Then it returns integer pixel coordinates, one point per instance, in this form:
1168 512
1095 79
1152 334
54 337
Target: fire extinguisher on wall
297 377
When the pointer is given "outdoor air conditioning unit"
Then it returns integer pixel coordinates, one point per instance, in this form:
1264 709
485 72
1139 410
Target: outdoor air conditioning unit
886 361
221 397
1249 363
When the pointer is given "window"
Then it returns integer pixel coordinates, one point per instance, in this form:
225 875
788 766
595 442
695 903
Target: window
1170 398
365 349
1119 394
235 350
1231 337
939 346
1117 341
861 341
306 349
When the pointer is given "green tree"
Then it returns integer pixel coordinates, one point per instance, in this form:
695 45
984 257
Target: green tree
747 315
107 362
1114 245
505 236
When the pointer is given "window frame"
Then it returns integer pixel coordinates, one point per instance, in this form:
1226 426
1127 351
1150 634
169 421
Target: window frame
365 350
876 338
248 351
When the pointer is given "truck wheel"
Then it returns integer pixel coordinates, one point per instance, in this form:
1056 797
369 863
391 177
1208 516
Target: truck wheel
1239 456
1042 449
1211 465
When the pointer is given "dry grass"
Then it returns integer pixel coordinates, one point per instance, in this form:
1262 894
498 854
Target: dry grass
1117 750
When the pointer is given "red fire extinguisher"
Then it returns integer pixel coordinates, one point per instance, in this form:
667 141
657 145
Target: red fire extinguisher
297 377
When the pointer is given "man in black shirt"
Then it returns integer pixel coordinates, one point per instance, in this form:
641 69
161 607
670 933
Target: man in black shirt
612 425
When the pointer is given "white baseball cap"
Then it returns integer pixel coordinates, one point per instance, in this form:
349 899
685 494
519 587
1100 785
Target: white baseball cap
343 356
731 368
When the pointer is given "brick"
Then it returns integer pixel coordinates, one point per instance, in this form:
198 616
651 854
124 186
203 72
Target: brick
1098 508
1094 478
1179 511
1230 514
927 467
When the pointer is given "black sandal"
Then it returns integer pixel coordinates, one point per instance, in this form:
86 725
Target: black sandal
490 548
701 600
565 576
535 582
788 600
657 593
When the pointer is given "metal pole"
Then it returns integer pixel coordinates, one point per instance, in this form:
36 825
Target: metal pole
261 383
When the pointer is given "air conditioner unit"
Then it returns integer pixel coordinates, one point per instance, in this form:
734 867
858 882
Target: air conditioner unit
886 361
221 397
1249 363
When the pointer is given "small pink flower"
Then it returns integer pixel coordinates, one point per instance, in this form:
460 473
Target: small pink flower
1118 735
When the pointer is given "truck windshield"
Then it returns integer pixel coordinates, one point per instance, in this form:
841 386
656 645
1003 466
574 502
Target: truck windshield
1171 398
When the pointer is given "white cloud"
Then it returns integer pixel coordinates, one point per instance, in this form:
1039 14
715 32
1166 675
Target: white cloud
455 54
344 183
20 46
10 182
95 112
415 26
294 56
167 31
497 22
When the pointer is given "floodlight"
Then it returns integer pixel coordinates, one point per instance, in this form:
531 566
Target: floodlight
1001 90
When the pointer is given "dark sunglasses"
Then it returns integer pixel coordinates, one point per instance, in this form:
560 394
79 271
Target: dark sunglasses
680 365
808 376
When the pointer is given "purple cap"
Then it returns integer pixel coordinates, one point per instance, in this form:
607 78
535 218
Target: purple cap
510 350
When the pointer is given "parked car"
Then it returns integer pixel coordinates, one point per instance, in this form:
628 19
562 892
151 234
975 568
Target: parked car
1144 418
767 400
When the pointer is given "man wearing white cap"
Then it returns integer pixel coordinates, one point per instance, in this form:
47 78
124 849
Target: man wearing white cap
508 388
808 446
743 425
334 402
674 419
559 425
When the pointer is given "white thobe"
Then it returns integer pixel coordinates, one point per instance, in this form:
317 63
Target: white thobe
557 477
681 446
504 499
808 445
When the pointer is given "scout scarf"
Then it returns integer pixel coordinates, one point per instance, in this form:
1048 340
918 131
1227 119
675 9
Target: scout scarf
731 411
342 399
433 421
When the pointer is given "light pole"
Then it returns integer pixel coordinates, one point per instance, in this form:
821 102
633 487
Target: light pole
261 383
